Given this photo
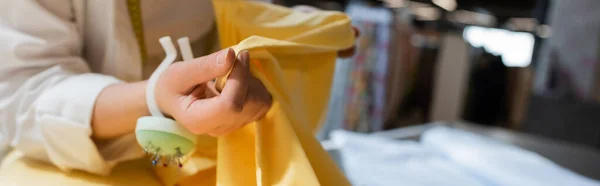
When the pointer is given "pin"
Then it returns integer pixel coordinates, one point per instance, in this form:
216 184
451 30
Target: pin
178 152
172 160
154 155
179 163
167 160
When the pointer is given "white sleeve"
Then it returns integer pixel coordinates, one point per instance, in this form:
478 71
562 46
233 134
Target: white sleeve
47 92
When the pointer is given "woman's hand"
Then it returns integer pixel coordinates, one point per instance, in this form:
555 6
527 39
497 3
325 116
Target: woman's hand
186 92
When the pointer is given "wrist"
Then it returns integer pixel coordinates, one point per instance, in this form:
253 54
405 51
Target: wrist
165 101
139 100
117 108
142 95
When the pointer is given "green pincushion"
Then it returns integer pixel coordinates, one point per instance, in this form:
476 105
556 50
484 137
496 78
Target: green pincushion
164 138
167 142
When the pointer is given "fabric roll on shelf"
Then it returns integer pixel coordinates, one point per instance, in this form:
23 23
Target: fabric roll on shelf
367 88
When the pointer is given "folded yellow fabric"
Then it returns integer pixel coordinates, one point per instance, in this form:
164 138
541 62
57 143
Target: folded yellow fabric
295 59
293 54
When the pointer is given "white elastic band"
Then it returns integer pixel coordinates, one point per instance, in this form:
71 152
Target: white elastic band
167 45
185 48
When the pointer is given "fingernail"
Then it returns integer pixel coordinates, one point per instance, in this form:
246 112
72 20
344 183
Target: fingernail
243 56
221 57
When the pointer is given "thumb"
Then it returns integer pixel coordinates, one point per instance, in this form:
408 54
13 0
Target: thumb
200 70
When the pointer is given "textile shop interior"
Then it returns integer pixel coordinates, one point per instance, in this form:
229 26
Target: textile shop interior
467 92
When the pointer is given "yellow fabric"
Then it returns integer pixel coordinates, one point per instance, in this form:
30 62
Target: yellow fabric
293 54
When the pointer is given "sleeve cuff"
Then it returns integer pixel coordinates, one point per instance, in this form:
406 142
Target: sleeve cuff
74 97
64 115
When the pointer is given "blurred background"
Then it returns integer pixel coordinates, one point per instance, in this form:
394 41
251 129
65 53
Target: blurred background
525 72
525 65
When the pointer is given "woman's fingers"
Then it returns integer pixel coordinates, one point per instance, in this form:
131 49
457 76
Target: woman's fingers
236 87
203 109
220 112
243 99
204 116
187 74
258 102
260 99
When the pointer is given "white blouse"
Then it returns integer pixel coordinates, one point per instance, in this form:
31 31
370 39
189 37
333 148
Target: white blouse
56 56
